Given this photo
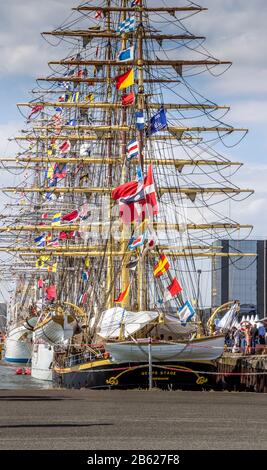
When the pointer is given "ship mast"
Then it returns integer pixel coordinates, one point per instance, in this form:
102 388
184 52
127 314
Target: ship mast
106 167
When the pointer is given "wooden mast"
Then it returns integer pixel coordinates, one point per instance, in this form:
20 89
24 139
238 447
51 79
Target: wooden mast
110 262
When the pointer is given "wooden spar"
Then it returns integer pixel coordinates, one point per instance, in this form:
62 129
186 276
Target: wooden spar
98 225
97 137
105 190
138 9
99 105
151 63
89 249
104 34
181 254
126 128
92 81
117 161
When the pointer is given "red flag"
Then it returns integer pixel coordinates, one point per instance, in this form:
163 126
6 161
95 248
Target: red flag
129 99
124 190
99 14
123 295
136 201
66 235
125 80
172 290
45 215
162 266
65 146
150 193
35 110
40 283
51 292
70 217
131 201
84 298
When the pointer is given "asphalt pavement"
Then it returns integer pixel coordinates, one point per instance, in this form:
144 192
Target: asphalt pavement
143 420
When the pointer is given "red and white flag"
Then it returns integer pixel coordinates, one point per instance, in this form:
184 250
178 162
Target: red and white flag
137 201
172 290
65 146
150 193
71 217
99 14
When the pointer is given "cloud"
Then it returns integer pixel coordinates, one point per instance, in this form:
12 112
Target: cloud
22 49
249 112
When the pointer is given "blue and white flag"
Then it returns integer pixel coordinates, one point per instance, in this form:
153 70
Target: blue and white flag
72 122
132 149
186 312
65 85
135 242
139 195
85 276
127 26
139 174
140 120
157 122
126 54
40 241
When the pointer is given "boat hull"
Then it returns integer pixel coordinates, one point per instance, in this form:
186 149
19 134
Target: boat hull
105 374
204 349
17 348
51 332
42 360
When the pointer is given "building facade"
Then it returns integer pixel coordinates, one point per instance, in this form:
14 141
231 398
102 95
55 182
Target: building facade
244 278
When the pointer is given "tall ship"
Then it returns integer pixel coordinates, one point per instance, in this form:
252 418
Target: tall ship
121 198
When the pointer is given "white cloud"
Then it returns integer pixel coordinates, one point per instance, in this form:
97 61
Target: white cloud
249 111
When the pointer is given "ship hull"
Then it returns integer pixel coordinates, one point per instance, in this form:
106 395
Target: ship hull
50 332
18 345
203 349
110 375
42 360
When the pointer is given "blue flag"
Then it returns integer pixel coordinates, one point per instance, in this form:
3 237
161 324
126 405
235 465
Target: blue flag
186 312
40 241
157 122
72 122
140 120
139 173
126 54
127 26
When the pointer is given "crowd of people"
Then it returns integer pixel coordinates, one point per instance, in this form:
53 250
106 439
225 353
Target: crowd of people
247 338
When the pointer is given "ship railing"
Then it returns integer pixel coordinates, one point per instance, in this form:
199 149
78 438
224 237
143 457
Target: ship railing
81 358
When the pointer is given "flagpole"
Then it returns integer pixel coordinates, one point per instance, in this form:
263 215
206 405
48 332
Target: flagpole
110 264
150 382
125 278
140 106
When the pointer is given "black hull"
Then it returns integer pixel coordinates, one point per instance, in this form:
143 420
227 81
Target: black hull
168 376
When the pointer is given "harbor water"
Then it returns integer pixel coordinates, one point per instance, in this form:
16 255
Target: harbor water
10 381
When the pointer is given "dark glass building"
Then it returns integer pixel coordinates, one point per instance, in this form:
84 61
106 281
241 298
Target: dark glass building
243 278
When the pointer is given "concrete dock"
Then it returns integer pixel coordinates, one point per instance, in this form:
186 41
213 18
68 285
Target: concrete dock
117 420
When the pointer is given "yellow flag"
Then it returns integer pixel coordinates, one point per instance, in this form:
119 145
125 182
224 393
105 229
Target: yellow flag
52 269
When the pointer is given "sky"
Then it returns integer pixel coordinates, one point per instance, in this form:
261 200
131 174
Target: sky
235 30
